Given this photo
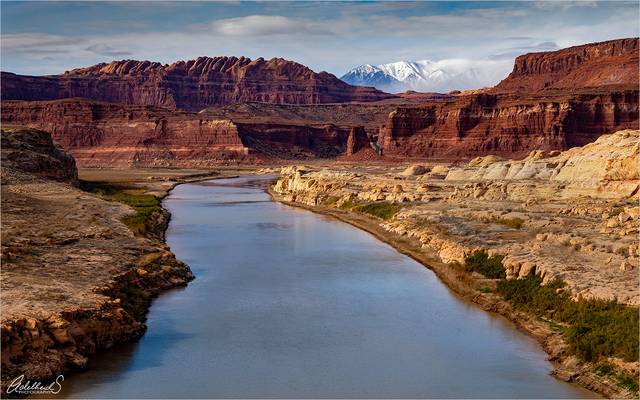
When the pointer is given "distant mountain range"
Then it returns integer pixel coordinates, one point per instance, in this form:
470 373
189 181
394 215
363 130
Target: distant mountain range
429 76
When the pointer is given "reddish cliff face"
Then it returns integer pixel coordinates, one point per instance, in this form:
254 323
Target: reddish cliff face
614 62
551 100
107 134
507 124
191 85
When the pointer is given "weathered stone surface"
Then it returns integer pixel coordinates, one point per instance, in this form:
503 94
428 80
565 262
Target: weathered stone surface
570 215
606 168
508 125
415 169
52 229
191 85
107 134
614 62
35 152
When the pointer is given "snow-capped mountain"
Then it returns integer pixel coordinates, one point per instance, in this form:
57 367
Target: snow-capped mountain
429 76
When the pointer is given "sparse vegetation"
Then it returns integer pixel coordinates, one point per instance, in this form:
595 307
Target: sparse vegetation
146 206
628 382
593 328
384 209
604 369
349 204
490 267
330 201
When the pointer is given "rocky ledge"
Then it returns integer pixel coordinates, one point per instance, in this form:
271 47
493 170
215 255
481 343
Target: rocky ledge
570 216
75 279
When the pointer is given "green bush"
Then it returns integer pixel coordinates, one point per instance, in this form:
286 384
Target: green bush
384 209
594 328
330 201
628 382
146 206
604 369
490 267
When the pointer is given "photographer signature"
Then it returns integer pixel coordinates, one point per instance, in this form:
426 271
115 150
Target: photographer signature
20 386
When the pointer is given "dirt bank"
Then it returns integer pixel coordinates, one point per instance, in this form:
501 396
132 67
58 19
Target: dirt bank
75 278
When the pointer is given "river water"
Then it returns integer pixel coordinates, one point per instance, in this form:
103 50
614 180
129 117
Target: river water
290 304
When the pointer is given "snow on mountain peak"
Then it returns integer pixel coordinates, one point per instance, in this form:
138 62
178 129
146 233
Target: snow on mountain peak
429 76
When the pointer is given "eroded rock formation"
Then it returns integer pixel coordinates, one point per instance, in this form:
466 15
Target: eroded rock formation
551 101
75 279
571 215
614 62
507 124
192 85
34 151
108 134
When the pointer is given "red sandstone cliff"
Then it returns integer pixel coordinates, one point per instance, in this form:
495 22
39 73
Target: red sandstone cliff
614 62
191 85
507 124
551 100
108 134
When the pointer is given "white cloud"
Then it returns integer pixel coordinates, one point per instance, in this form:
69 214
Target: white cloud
334 43
264 25
103 49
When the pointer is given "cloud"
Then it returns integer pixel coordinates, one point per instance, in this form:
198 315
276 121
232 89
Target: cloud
106 50
563 5
324 36
38 43
266 25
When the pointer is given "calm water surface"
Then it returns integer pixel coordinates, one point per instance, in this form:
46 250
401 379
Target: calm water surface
292 304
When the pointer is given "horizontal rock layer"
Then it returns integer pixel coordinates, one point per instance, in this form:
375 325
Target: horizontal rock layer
107 134
191 85
507 124
614 62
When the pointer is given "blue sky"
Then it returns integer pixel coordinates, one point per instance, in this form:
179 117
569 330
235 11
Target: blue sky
51 37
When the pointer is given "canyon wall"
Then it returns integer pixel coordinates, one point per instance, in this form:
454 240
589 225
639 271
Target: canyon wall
614 62
192 85
99 134
551 101
108 134
507 124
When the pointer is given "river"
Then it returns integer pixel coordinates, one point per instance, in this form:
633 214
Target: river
291 304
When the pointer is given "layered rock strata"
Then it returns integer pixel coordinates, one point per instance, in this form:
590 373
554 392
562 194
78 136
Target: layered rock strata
190 85
571 216
507 124
107 134
614 62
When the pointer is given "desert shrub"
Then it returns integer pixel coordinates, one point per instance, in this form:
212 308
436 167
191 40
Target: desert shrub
134 300
146 206
594 328
490 267
384 209
604 369
349 204
628 382
330 201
